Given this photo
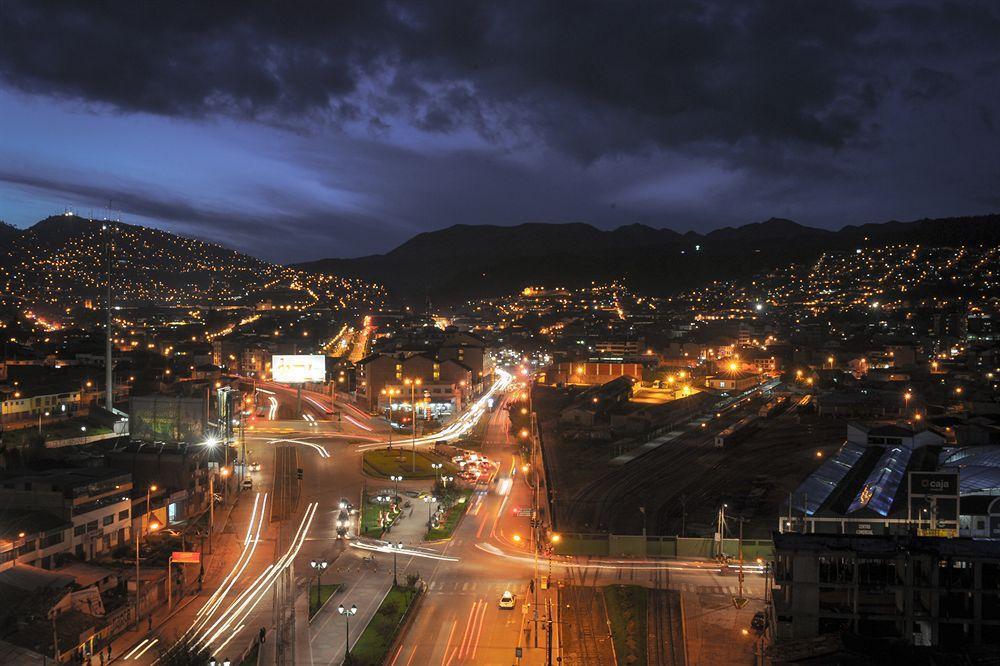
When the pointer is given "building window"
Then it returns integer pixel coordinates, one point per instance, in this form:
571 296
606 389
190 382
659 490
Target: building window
108 519
79 529
92 526
123 515
52 540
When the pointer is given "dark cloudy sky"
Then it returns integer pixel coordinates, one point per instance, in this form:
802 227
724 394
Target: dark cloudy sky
339 128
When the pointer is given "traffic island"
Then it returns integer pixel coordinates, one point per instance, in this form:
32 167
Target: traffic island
373 646
384 463
446 527
626 608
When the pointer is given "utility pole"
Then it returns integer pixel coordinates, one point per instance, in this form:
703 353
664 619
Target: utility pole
109 399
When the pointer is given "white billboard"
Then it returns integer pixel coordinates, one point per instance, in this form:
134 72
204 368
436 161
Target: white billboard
298 369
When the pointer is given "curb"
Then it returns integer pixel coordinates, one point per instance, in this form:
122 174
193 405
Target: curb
684 641
319 610
407 621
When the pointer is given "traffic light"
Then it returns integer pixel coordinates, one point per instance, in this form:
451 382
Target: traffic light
298 473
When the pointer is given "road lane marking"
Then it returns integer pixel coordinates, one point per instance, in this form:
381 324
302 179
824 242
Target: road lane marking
475 644
469 627
447 643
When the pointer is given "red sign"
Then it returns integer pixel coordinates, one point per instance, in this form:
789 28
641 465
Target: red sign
184 557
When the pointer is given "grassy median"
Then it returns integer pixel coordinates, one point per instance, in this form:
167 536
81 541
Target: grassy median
626 606
319 595
452 516
382 463
373 645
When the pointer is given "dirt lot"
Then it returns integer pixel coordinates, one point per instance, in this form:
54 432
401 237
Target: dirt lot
683 483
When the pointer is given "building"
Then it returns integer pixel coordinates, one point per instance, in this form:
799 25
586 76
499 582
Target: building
920 590
588 373
617 350
739 381
460 360
90 506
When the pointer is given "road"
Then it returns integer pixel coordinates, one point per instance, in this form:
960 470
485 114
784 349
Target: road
459 619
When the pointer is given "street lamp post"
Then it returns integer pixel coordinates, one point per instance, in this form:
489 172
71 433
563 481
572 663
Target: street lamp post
319 566
390 392
347 613
395 548
395 478
150 527
437 469
429 500
413 384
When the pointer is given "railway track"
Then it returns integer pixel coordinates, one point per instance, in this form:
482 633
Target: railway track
665 644
583 630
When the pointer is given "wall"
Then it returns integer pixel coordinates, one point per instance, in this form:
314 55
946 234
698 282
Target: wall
620 545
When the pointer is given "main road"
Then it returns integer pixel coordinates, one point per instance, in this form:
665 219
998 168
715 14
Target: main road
459 619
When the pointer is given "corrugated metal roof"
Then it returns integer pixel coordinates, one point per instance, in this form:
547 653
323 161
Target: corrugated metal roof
814 491
880 487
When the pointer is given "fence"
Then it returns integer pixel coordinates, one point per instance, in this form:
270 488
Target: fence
621 545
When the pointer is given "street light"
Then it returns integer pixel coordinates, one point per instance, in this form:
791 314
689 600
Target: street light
150 527
429 500
395 547
413 384
446 479
437 467
396 478
320 566
347 613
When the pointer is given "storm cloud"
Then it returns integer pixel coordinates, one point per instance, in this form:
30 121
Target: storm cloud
768 103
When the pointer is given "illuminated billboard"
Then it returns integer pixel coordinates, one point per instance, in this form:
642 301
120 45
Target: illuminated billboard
298 369
171 419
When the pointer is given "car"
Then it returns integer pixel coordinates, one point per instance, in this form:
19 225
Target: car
759 621
345 503
255 466
247 484
343 523
507 600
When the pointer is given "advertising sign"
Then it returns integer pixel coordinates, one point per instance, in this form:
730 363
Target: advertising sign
298 369
186 557
934 483
170 419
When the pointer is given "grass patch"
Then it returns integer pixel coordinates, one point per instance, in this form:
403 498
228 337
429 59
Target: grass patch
383 463
373 646
626 606
452 516
370 518
319 595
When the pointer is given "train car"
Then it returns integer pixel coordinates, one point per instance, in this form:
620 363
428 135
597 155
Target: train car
773 407
737 432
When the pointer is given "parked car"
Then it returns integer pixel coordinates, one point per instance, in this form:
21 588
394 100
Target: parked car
759 621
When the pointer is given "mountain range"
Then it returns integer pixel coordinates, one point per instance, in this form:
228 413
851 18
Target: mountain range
465 261
61 260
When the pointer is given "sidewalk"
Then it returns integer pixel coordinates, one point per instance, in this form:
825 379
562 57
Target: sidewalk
223 545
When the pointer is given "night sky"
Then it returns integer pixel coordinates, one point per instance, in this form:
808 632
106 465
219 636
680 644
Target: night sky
296 131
